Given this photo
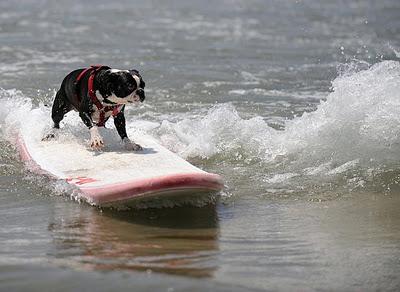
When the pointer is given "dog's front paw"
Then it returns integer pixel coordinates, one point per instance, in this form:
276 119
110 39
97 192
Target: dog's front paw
50 136
96 141
131 146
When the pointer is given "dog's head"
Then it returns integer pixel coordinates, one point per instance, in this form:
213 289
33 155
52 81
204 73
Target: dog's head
122 86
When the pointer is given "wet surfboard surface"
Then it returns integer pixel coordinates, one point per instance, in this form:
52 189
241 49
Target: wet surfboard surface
116 176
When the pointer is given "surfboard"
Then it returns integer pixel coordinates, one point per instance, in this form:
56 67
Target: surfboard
115 176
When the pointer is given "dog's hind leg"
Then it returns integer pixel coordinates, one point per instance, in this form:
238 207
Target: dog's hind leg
61 106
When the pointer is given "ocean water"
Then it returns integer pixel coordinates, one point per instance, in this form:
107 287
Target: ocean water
295 103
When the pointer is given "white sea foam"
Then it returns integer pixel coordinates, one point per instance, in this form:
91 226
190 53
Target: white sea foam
356 130
357 127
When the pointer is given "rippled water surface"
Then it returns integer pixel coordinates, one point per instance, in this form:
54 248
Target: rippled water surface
295 103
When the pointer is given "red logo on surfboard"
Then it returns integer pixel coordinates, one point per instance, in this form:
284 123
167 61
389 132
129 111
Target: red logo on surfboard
80 180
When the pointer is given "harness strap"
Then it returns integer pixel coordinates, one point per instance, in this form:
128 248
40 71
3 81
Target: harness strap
78 79
92 94
93 69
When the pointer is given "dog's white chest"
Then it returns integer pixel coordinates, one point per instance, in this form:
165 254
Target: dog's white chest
97 114
100 116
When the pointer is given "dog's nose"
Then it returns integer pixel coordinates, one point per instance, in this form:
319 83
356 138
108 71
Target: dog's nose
140 93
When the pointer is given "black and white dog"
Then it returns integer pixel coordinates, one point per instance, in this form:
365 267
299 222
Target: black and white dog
97 93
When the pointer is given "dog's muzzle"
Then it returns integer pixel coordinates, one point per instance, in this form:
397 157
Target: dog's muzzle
140 93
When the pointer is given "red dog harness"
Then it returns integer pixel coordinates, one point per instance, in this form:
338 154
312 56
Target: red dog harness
115 109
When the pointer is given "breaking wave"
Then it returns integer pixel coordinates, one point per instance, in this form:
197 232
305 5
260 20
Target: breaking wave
353 136
359 119
351 141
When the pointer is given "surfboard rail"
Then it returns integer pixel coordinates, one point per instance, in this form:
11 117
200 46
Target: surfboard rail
191 182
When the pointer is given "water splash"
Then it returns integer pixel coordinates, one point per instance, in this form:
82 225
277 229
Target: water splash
351 139
355 132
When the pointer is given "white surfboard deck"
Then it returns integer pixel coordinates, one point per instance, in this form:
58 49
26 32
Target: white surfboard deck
116 176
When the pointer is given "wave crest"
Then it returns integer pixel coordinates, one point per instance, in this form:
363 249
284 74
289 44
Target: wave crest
355 131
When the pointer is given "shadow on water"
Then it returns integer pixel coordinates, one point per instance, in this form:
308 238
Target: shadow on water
187 217
181 241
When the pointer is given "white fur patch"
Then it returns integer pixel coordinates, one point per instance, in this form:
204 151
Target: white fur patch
123 100
119 100
118 70
99 96
137 79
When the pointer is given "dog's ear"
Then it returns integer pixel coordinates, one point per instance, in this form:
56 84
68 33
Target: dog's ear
136 72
